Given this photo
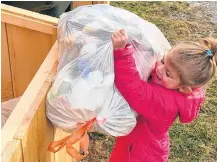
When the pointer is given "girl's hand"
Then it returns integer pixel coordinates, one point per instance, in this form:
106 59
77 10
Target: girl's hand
119 39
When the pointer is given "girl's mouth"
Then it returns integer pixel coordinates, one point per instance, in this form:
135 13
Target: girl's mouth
155 78
156 73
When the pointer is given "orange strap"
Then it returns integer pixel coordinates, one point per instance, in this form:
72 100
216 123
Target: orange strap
79 135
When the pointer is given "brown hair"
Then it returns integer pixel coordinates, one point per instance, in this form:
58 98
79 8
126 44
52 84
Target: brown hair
193 63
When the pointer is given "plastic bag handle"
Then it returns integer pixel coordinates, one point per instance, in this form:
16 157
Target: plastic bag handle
79 135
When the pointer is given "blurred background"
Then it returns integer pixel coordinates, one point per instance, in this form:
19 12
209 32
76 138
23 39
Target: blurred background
51 8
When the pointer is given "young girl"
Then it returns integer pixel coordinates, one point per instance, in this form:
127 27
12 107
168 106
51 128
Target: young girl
175 89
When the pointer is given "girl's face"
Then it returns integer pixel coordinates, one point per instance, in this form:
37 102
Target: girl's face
164 74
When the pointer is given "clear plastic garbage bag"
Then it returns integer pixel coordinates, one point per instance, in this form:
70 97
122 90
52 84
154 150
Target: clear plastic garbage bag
83 87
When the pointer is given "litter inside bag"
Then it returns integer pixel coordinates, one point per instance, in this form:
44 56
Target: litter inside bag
83 88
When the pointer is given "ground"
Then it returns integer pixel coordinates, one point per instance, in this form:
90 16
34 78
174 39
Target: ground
195 142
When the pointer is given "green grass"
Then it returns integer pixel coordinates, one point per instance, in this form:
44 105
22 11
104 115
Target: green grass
195 142
176 20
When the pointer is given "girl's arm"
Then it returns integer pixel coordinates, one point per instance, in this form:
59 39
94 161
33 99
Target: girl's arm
138 94
146 99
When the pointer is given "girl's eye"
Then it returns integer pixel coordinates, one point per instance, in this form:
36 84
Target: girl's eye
168 74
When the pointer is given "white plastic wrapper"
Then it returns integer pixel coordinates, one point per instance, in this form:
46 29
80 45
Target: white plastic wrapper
84 88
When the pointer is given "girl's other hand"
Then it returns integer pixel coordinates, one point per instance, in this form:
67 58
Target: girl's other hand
119 39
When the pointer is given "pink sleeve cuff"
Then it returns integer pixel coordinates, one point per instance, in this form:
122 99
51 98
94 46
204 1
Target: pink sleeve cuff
122 52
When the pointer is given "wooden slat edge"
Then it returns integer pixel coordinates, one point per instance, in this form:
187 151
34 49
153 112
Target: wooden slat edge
13 152
76 4
7 89
29 14
29 100
27 23
101 2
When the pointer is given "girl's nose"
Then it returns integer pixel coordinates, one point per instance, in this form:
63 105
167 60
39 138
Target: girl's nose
160 70
159 66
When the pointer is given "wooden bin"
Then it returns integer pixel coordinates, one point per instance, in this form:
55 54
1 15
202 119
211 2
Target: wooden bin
29 62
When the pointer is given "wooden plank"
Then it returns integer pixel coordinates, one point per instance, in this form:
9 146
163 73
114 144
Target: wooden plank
76 4
29 14
36 132
30 101
6 84
62 155
27 50
28 23
36 135
13 152
30 141
45 134
54 35
101 2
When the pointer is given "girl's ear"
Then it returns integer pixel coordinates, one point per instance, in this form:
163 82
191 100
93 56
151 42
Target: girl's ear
185 89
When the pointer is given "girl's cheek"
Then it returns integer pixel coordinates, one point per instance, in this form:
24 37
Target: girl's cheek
164 84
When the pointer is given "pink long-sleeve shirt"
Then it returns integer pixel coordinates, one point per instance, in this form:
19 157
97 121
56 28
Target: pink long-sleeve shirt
157 107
